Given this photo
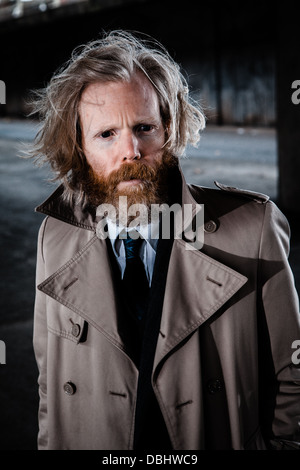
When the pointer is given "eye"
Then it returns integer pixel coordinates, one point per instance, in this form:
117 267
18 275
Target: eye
145 128
106 134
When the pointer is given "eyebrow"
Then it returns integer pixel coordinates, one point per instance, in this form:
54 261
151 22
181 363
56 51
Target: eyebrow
142 120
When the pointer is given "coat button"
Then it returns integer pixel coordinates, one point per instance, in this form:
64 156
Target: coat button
69 388
210 226
75 330
214 386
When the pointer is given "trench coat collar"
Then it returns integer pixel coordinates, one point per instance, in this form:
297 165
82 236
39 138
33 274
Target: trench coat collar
58 207
197 285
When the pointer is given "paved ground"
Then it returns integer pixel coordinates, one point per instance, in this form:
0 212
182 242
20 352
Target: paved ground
235 156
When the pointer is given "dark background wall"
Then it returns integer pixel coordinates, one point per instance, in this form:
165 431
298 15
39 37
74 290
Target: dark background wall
227 49
240 58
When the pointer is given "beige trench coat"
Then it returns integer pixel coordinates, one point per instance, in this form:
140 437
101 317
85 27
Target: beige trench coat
220 303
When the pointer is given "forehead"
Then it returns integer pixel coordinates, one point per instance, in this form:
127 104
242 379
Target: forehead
137 93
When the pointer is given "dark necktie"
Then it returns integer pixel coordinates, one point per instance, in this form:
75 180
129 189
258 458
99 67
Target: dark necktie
135 282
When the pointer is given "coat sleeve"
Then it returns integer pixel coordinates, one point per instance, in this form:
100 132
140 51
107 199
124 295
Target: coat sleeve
279 329
40 341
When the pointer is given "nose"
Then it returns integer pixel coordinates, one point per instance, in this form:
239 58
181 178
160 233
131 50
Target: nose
130 148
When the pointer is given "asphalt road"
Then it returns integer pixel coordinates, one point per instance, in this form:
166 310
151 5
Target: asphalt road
239 157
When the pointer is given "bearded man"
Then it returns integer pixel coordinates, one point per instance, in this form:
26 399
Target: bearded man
158 344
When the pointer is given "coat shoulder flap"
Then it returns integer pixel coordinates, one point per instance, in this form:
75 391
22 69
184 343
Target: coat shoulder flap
255 196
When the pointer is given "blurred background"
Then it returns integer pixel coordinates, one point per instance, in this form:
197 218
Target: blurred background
240 60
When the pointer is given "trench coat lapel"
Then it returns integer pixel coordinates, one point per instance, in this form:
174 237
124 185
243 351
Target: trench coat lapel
193 294
84 285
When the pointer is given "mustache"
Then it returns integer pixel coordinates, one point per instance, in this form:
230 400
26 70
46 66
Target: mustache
129 171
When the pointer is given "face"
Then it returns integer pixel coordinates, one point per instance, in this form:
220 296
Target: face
123 141
121 126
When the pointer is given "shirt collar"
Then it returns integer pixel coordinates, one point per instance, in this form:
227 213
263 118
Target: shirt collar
149 232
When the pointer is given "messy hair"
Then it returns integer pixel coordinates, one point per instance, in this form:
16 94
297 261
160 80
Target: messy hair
117 56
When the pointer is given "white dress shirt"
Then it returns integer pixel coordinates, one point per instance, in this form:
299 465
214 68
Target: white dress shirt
148 249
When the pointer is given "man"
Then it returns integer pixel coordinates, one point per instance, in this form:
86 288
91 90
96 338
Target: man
169 345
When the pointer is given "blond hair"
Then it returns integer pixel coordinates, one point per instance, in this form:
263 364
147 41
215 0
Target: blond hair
114 57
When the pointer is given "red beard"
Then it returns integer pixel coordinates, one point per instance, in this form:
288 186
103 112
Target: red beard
153 188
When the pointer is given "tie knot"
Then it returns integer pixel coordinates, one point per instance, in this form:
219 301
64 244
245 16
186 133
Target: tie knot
132 247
